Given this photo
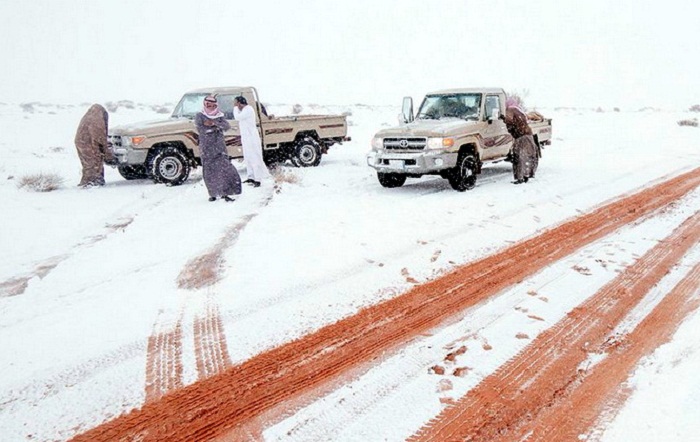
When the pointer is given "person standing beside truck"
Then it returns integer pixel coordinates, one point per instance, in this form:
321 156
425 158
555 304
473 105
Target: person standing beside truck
250 139
220 177
93 147
525 158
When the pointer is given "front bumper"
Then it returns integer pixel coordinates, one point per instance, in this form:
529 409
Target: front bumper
127 154
412 163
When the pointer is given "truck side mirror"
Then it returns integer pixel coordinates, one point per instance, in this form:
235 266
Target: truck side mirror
495 114
406 111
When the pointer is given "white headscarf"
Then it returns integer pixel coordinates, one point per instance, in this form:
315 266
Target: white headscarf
213 112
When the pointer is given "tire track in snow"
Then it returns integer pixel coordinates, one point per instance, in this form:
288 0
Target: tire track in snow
16 285
164 370
40 389
548 367
577 412
214 406
164 358
211 351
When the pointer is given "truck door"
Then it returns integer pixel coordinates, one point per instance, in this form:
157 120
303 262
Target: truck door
497 141
233 135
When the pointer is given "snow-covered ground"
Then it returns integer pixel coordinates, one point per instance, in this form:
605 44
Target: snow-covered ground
101 267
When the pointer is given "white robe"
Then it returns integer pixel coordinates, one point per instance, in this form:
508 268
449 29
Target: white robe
252 146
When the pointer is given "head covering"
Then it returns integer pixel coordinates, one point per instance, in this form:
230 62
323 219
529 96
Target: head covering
211 112
512 101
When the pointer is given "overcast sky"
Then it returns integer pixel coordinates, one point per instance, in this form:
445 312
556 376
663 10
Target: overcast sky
607 53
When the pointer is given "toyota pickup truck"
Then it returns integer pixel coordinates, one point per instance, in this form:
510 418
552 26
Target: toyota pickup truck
167 150
453 134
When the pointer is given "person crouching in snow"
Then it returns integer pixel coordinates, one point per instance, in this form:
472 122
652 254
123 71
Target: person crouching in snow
250 139
525 157
220 177
92 145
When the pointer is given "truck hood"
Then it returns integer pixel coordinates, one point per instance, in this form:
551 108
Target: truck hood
146 128
431 128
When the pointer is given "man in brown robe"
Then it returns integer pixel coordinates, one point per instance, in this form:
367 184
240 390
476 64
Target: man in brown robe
93 149
525 155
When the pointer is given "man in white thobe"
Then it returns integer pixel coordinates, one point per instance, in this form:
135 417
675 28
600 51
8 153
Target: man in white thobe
250 139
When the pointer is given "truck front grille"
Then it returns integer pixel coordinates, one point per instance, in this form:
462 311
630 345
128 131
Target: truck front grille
116 140
413 143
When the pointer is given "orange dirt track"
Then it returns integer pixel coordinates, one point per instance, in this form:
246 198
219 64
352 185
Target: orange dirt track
235 397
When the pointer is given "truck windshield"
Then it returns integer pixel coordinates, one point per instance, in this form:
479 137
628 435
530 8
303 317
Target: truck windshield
463 106
190 104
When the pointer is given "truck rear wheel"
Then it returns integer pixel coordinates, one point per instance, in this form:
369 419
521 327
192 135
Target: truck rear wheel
132 172
169 166
307 152
463 176
391 180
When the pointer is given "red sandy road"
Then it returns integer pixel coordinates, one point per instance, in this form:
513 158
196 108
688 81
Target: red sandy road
543 371
578 411
212 407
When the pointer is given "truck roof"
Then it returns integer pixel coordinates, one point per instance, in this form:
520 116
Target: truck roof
470 90
221 90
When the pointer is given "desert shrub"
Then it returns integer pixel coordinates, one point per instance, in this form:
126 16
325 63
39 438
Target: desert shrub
283 175
161 109
692 123
27 107
112 107
40 182
695 108
296 109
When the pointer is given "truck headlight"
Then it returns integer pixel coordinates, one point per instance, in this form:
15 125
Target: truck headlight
132 141
440 143
377 143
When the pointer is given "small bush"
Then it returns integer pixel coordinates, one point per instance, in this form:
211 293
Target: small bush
40 182
695 108
282 175
28 107
161 109
692 123
296 109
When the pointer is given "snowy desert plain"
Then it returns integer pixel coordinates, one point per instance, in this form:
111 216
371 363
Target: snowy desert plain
88 277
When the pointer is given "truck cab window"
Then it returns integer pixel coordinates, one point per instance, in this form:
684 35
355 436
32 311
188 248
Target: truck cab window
226 105
462 106
492 102
189 105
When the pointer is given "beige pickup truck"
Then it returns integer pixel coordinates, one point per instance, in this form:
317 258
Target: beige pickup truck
166 151
453 134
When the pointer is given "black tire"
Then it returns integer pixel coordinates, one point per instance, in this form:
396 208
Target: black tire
169 166
391 180
132 172
272 159
463 176
307 152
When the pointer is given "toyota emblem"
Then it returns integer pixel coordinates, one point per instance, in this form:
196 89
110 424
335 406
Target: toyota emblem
403 143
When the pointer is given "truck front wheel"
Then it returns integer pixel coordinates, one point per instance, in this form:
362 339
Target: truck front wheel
391 179
169 166
307 152
463 176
